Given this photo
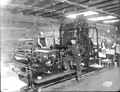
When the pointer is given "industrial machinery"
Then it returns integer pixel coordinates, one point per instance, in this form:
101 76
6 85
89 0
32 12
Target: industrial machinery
46 64
80 30
43 61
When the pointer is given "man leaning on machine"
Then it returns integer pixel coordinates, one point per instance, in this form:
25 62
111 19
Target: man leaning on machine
77 51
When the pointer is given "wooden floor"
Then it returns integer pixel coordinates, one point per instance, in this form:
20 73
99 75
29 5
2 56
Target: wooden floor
93 82
55 76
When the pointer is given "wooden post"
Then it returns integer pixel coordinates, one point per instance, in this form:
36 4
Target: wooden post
54 39
97 45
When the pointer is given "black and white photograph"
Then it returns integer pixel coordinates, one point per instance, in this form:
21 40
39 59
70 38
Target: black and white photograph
59 45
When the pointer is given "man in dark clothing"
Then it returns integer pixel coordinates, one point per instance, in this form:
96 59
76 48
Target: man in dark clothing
117 50
77 52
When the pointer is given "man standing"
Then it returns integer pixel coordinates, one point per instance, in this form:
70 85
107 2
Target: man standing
77 52
118 53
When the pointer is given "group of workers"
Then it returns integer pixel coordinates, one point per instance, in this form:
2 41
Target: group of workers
108 44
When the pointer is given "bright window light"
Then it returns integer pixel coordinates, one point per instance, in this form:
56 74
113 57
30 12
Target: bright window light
72 16
102 18
4 2
88 13
110 21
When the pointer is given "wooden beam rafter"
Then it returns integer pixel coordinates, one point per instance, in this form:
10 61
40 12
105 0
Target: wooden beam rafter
112 9
25 3
116 11
101 5
28 7
80 2
63 8
90 8
72 7
98 3
43 8
34 2
19 1
108 5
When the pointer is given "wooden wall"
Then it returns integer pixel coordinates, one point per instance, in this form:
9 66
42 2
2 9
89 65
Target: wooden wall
18 26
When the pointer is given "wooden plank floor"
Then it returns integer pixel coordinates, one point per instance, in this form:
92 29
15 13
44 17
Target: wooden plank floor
51 77
92 82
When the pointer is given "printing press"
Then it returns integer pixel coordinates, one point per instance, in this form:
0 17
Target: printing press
42 64
43 61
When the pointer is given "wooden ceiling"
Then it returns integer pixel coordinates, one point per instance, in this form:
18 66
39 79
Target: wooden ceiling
60 8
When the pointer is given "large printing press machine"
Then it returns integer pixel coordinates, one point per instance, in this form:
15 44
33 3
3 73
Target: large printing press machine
42 66
45 66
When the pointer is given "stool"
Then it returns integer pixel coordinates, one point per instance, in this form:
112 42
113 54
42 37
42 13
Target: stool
106 63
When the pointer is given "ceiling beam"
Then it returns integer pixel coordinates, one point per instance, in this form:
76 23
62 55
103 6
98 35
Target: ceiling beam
60 9
97 5
108 5
19 1
57 15
85 3
90 8
51 15
48 13
34 2
27 7
23 7
60 4
80 2
112 9
70 7
38 13
33 11
116 11
104 4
